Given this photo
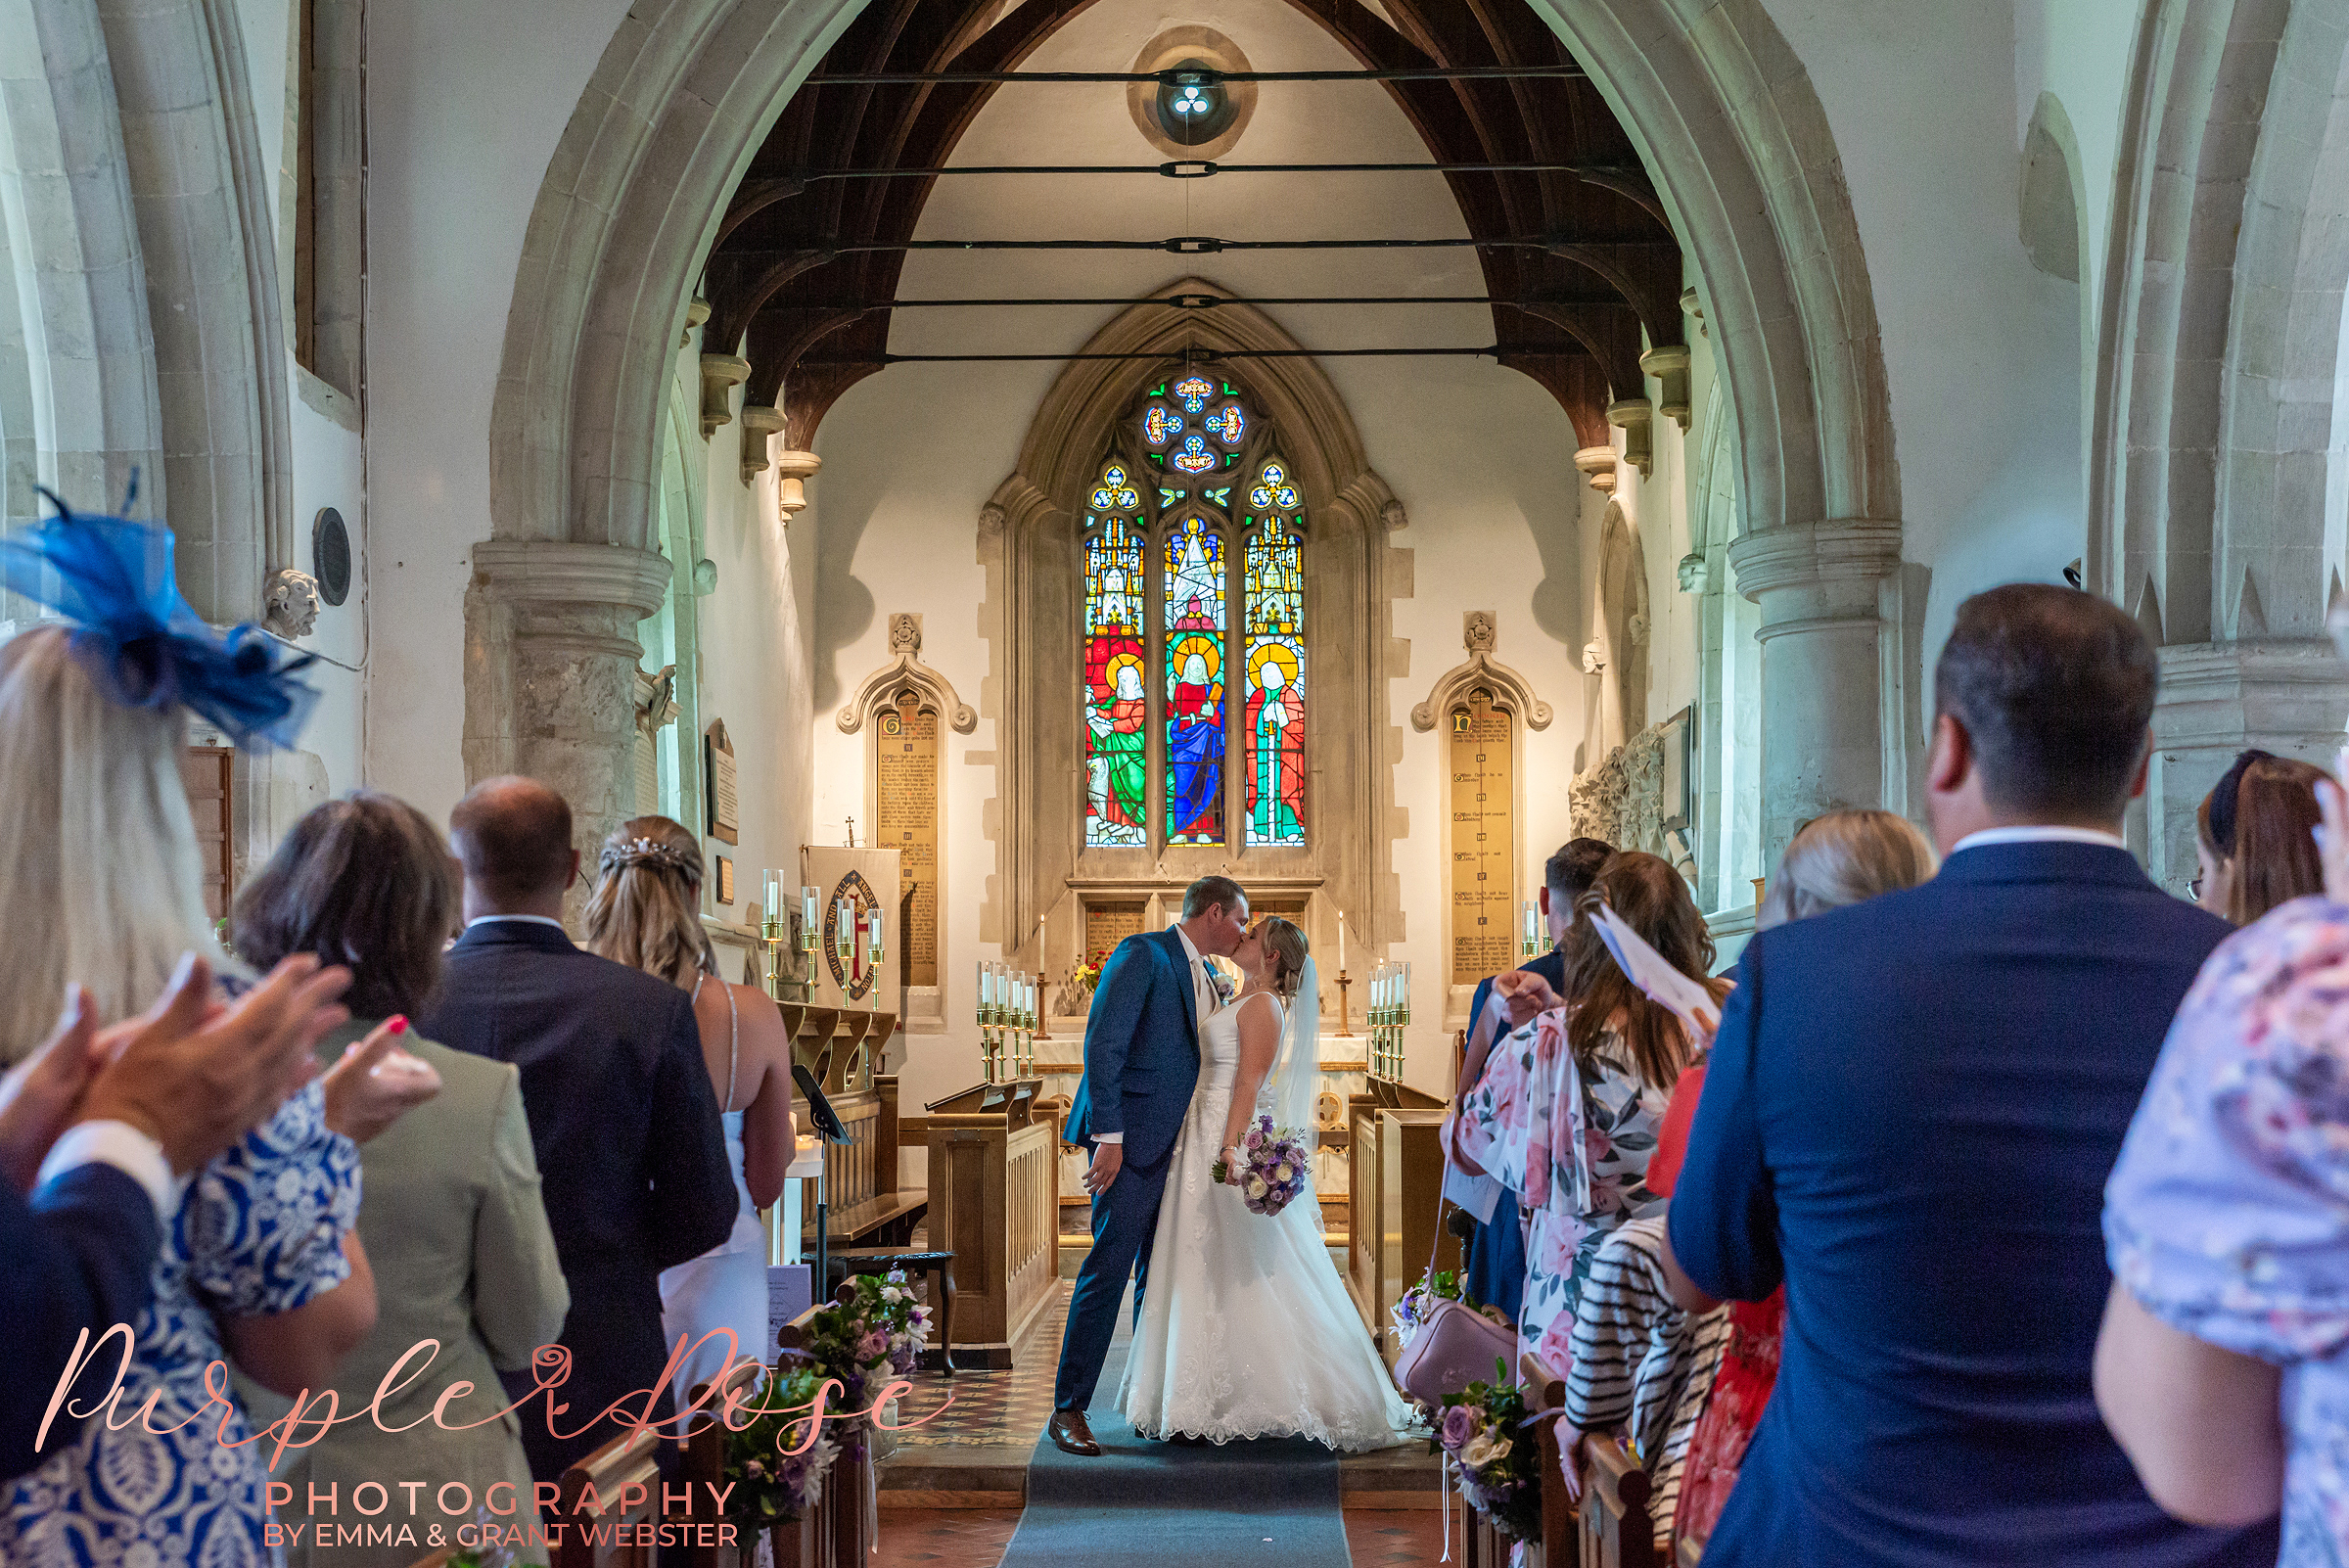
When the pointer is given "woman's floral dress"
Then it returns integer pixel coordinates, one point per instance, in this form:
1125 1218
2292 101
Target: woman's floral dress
259 1232
2227 1213
1574 1139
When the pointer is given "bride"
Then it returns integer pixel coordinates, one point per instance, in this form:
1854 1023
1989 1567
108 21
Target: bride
1245 1328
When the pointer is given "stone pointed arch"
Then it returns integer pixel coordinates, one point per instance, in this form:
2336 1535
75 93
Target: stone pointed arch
1028 541
2219 448
1725 118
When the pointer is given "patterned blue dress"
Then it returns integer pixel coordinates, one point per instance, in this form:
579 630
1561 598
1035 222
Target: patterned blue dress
260 1231
2227 1213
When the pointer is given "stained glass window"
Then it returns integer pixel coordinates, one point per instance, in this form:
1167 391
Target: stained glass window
1116 703
1274 578
1191 481
1195 596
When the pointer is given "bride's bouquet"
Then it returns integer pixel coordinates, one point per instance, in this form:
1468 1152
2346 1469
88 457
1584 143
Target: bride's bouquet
1274 1164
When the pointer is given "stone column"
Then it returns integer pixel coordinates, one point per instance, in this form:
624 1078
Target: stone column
551 650
2286 695
1833 668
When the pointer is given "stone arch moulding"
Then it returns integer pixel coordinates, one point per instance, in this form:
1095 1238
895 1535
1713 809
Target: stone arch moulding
2216 454
904 672
1027 542
1480 632
1722 112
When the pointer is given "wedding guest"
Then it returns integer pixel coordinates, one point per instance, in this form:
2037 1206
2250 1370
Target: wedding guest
1908 1117
2222 1365
1836 859
623 1119
646 913
2253 838
450 1209
1494 1270
97 1127
1597 1074
100 880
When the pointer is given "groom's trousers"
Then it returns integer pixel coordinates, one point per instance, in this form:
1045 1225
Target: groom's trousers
1125 1223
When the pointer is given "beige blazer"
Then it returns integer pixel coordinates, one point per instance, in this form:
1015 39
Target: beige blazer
450 1216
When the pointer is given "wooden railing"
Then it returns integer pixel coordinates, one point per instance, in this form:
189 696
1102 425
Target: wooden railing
1033 1216
1617 1529
626 1479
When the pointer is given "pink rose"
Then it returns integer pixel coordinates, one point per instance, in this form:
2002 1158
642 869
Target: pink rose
874 1346
1459 1426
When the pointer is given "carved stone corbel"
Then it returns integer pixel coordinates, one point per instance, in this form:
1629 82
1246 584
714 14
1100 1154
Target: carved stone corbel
792 471
1597 464
1636 416
720 375
758 424
1669 365
697 311
1480 632
905 671
656 700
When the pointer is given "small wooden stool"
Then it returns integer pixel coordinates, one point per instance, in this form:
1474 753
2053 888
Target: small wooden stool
939 1266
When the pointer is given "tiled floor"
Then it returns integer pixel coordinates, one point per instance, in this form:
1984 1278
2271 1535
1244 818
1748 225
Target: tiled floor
1408 1539
989 1408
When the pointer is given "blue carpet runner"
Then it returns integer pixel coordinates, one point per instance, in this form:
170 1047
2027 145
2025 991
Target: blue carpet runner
1268 1503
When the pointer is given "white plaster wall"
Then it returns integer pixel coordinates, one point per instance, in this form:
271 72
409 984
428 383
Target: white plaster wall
464 105
1481 457
1981 349
2078 50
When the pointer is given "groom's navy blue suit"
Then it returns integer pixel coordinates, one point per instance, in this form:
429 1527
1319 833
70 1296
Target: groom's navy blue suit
1141 1063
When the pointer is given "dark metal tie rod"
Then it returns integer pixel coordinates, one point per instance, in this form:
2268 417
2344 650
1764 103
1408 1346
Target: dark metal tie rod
1209 301
1194 77
1208 244
1206 357
1203 168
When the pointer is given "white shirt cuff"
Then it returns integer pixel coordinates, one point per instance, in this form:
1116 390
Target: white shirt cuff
1109 1138
125 1148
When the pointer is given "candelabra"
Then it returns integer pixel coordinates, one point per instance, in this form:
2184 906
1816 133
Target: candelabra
1390 1016
777 931
1531 944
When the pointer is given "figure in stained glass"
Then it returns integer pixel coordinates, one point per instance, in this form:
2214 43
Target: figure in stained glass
1195 619
1116 707
1275 609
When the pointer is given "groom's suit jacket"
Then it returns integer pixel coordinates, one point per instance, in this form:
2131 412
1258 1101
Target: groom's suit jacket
1142 1048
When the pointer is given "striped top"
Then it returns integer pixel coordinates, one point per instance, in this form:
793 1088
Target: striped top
1641 1361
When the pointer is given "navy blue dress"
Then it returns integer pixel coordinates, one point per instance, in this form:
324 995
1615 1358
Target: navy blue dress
1496 1271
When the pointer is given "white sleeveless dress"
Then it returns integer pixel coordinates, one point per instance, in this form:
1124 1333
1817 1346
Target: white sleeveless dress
724 1287
1246 1329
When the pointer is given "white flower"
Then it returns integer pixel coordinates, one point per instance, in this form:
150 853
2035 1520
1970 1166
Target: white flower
891 1293
1283 1173
1255 1186
1480 1450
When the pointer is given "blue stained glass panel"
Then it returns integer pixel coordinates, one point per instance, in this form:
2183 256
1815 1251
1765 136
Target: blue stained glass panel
1273 589
1195 626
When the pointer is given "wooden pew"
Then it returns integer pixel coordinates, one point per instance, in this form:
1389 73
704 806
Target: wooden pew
994 1204
626 1463
837 1532
1545 1392
1617 1529
1394 1184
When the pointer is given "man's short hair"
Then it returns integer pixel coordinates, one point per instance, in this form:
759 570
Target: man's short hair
1570 872
513 835
1207 892
2056 690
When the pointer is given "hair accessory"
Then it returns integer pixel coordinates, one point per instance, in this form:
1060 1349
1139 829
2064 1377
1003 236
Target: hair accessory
113 579
640 852
2223 798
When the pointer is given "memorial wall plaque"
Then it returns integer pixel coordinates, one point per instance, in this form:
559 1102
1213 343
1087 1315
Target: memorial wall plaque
905 819
1484 884
1108 924
726 809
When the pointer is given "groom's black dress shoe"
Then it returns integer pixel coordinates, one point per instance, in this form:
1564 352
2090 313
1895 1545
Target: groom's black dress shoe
1070 1431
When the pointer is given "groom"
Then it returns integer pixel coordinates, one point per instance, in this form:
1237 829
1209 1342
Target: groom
1141 1062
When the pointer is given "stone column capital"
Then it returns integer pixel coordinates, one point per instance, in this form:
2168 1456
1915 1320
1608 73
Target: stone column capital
552 572
792 471
759 421
1597 464
1812 554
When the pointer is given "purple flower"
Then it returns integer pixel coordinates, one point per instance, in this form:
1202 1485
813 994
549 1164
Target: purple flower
1459 1426
873 1344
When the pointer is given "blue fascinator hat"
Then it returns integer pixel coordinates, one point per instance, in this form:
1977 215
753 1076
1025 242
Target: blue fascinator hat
113 579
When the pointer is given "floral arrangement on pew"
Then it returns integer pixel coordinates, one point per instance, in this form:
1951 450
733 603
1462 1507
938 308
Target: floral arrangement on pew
1482 1431
1413 1306
874 1331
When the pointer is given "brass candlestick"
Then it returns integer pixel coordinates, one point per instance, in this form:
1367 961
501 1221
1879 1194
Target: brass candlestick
1345 1029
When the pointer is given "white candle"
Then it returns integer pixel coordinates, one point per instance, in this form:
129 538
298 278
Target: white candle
1341 942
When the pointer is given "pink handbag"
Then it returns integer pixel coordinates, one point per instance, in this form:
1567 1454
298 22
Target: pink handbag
1455 1348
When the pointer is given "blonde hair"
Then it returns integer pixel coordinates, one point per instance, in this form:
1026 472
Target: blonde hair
645 911
1287 945
100 878
1843 858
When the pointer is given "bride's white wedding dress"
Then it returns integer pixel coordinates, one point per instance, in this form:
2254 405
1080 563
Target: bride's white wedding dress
1246 1329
